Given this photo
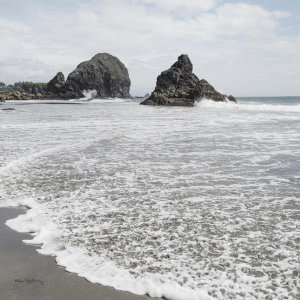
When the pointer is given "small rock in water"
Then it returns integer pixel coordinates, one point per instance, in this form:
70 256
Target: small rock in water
231 98
9 109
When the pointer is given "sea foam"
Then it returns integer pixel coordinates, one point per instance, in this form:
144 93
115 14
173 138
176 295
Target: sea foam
92 267
174 202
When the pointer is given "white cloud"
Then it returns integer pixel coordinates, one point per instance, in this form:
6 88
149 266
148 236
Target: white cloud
247 19
230 45
179 7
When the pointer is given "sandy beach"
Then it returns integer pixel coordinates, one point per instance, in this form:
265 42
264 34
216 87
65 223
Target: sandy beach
25 274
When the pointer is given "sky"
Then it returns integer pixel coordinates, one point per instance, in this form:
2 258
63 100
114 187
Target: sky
243 48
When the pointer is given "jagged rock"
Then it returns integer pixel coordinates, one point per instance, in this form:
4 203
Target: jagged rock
207 91
176 85
20 95
104 73
16 95
55 85
231 98
179 86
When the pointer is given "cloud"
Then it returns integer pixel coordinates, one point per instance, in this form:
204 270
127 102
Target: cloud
230 44
178 7
245 19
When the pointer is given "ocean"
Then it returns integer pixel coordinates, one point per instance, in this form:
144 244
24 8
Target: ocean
176 202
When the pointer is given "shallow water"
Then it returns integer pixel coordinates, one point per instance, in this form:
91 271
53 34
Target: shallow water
176 202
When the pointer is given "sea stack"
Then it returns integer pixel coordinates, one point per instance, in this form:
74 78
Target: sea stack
104 73
179 86
54 86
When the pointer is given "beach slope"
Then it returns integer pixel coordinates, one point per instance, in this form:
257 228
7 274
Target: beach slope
25 274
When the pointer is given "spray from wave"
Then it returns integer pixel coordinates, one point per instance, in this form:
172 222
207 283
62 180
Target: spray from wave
89 95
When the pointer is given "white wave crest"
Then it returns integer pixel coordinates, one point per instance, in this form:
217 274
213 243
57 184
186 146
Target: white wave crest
250 106
110 100
93 267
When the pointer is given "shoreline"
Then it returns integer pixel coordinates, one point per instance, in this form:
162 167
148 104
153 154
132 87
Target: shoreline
26 274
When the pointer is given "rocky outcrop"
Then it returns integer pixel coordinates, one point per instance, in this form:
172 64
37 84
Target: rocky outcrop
20 95
179 86
55 85
104 73
231 98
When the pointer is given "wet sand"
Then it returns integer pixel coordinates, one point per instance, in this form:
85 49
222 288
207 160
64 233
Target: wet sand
25 274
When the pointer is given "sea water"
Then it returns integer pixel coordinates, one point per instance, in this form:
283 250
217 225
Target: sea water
180 202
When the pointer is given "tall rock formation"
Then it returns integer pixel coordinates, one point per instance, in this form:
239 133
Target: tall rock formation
55 85
104 73
179 86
